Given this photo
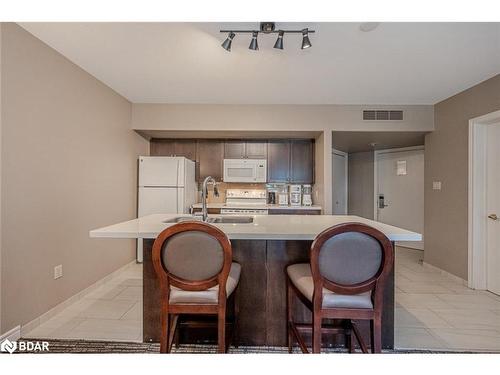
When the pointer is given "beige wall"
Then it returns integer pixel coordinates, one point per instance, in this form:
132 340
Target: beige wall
318 118
361 180
68 165
274 117
446 160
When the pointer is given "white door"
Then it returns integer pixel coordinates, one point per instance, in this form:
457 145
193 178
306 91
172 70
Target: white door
339 185
493 208
159 171
400 192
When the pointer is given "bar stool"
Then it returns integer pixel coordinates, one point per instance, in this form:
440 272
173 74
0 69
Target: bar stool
192 260
345 280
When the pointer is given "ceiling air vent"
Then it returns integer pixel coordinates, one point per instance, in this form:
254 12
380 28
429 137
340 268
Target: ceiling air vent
382 115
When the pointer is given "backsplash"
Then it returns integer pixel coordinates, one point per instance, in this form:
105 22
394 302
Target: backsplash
222 186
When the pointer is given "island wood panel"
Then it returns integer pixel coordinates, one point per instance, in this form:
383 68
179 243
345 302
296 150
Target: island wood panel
281 254
150 296
252 291
261 294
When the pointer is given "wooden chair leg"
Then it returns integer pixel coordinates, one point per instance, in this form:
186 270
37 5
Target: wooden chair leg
358 336
349 342
165 332
221 325
316 335
177 337
376 335
173 330
289 317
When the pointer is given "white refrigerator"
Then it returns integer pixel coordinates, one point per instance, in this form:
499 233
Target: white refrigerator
167 185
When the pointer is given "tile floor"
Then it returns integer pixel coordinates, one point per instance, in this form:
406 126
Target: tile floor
436 312
432 311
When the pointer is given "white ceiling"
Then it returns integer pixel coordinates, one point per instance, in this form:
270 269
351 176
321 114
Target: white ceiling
397 63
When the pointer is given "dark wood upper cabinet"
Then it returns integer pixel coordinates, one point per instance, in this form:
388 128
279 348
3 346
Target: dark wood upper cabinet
161 147
245 149
210 157
173 147
186 148
234 149
302 161
278 161
256 150
290 161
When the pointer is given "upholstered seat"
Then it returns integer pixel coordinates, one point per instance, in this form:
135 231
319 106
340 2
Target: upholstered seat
209 296
301 277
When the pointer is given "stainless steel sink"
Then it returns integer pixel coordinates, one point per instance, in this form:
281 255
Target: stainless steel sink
213 220
231 220
180 219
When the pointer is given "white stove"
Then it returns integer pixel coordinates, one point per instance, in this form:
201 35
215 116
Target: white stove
244 201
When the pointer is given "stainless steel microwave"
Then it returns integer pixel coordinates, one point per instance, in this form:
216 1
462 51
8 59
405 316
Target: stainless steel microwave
245 170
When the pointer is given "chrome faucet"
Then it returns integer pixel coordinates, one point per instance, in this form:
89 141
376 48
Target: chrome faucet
204 195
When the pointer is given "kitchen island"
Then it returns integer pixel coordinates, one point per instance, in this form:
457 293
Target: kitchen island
264 248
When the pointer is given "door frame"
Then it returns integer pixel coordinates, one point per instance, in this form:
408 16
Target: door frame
376 153
346 155
477 188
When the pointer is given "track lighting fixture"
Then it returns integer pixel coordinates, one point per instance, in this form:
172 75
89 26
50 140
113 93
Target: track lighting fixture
279 41
227 43
267 28
306 43
253 44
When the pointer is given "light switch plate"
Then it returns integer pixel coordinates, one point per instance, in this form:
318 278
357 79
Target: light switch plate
436 185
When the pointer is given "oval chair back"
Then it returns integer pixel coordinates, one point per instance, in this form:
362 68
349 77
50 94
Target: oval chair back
351 258
192 256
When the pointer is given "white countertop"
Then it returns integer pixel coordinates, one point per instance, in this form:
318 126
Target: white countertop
264 227
258 207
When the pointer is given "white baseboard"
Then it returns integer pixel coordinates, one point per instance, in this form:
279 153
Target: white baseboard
13 335
446 274
27 327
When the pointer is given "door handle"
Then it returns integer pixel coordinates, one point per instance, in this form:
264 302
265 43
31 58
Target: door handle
381 201
493 217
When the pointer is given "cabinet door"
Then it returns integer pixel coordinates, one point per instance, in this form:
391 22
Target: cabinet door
186 148
161 147
302 162
210 159
256 150
278 161
234 149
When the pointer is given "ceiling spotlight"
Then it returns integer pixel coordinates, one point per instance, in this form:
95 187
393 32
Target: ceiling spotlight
267 28
306 43
227 43
253 44
279 41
